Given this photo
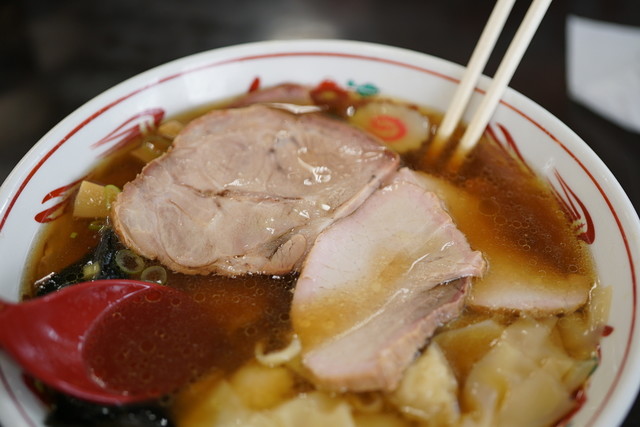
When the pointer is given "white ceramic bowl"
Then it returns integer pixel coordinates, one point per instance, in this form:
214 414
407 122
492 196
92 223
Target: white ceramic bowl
34 189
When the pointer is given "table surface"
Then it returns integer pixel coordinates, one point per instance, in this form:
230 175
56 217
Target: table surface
54 56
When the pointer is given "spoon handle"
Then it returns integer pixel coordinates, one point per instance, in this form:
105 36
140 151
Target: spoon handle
4 306
4 315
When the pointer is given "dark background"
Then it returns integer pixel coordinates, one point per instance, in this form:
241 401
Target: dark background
56 55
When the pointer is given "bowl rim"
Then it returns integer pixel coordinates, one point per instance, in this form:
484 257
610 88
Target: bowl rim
28 166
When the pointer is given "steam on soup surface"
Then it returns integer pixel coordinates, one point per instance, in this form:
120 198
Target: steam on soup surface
518 353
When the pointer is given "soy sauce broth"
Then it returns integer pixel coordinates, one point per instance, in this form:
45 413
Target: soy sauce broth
525 218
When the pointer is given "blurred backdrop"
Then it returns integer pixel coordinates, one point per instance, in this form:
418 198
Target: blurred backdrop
56 55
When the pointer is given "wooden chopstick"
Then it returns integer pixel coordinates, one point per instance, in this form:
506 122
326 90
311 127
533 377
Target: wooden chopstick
507 67
477 62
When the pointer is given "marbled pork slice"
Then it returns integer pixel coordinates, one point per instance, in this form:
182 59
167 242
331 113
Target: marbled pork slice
375 286
290 93
513 283
247 190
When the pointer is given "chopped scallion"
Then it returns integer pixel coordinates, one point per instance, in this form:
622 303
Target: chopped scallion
129 262
155 273
110 194
90 271
96 225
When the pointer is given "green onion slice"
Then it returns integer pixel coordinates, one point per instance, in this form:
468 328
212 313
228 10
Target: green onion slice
155 273
129 262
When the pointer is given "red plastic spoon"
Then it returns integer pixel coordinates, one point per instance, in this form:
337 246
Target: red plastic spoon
110 341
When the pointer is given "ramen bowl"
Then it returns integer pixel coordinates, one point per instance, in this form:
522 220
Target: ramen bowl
41 185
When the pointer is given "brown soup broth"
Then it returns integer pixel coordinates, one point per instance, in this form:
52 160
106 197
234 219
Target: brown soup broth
526 218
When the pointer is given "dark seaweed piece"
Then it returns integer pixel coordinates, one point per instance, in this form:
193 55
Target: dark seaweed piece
103 254
71 412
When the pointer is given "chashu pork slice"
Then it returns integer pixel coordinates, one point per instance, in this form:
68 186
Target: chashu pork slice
247 190
285 93
513 283
377 284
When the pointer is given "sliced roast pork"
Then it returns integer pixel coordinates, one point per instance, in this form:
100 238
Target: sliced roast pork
376 284
513 283
247 190
288 93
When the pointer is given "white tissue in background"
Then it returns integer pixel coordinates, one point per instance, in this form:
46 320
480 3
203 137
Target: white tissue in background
603 69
